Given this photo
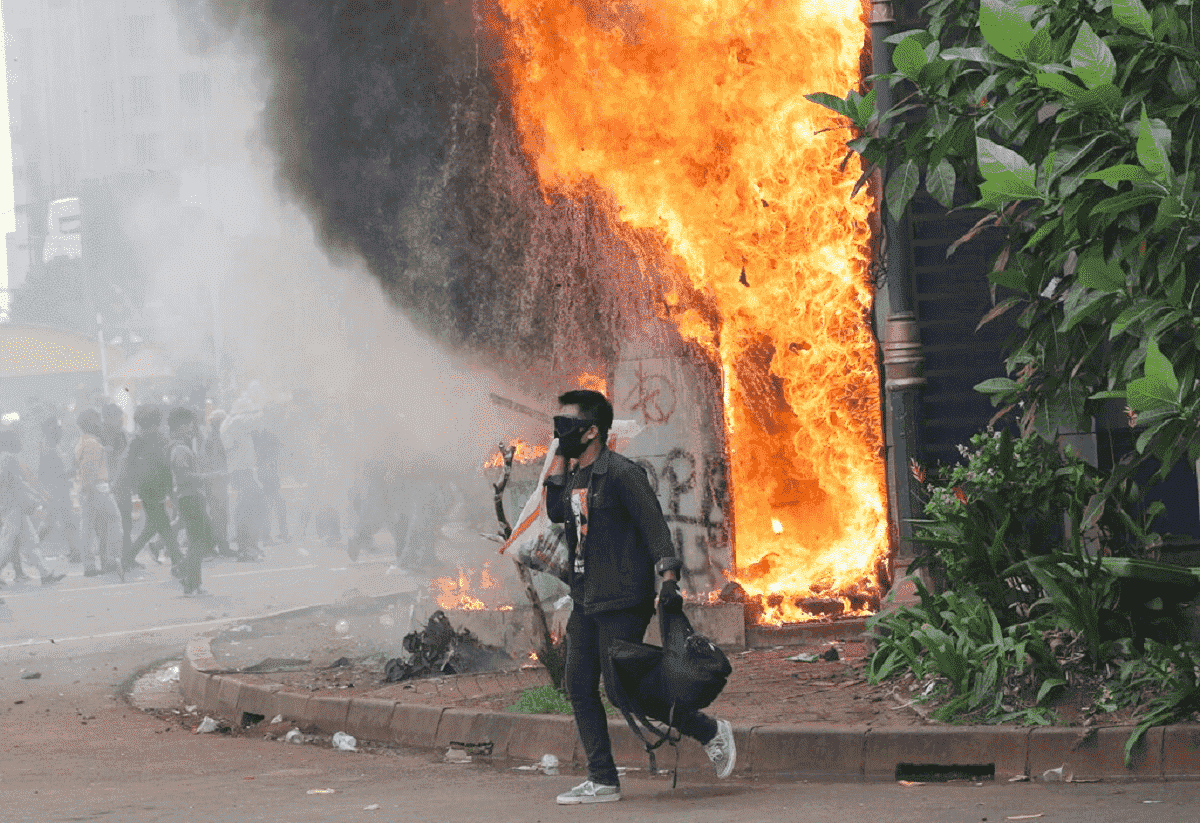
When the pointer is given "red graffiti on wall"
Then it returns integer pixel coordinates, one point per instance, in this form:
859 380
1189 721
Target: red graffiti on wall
653 395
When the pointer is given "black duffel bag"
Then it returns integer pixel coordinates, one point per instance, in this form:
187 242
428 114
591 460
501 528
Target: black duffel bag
687 673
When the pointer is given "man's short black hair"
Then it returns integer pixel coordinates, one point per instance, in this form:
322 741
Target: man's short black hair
592 405
179 417
148 417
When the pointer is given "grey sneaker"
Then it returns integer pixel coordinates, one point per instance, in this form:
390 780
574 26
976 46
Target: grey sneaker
589 792
721 750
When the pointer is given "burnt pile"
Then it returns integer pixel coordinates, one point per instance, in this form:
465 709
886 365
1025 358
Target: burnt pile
440 650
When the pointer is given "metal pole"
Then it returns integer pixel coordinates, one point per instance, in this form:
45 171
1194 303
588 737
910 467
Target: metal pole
902 358
103 357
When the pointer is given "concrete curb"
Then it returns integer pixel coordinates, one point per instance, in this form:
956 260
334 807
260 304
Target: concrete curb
831 752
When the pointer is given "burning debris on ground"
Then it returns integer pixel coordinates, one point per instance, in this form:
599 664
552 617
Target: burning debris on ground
439 649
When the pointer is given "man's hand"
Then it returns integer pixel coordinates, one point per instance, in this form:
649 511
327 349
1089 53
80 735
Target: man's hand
669 598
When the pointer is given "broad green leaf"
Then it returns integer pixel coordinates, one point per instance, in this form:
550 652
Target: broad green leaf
1010 279
842 107
1105 97
1091 58
1158 368
1059 84
1079 305
1005 28
1097 273
1004 188
866 108
1144 394
1119 203
901 186
909 58
1153 146
1181 80
1133 15
1116 174
995 161
996 385
940 183
1107 395
1041 47
1043 231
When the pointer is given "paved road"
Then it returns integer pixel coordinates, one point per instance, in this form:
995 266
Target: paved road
72 749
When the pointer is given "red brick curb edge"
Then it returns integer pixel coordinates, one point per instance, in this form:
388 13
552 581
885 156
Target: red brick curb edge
830 752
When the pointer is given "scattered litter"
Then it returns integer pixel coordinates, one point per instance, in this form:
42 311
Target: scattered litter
303 552
549 764
207 726
1151 801
439 650
169 675
1024 816
294 736
621 770
908 784
344 742
456 755
1054 775
321 791
374 807
340 663
38 675
831 655
276 719
803 657
387 620
1021 778
341 627
242 628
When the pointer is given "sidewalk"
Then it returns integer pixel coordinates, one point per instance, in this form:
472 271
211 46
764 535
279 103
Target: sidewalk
792 720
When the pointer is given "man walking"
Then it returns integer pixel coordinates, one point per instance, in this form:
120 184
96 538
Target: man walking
116 449
100 516
55 480
189 495
617 538
215 466
150 474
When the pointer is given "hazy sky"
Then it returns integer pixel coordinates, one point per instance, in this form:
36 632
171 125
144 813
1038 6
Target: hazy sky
7 219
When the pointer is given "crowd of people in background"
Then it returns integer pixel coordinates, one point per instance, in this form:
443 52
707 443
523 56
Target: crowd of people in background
73 478
95 466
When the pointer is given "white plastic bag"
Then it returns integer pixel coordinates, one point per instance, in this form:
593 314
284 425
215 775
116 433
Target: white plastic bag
536 542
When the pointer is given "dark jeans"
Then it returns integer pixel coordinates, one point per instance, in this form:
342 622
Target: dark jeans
199 532
157 522
588 639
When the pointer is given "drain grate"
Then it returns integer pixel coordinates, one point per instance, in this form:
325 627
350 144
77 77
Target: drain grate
940 773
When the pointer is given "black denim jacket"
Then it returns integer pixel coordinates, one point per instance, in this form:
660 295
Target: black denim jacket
627 535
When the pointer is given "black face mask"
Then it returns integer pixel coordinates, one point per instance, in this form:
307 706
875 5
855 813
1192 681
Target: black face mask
570 431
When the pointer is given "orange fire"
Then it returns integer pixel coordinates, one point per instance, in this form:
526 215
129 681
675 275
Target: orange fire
690 115
525 453
458 592
592 381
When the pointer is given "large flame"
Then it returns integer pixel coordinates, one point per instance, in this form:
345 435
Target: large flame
691 115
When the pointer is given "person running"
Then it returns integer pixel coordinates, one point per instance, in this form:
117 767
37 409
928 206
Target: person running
189 495
150 474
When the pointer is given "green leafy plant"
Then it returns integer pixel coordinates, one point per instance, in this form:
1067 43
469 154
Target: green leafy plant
1171 675
1076 126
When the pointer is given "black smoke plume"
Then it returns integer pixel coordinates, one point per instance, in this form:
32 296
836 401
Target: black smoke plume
390 128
